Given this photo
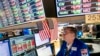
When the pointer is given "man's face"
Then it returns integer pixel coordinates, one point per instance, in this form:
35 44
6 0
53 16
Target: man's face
69 36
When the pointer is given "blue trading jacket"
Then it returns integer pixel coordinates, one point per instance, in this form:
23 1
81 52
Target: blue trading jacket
78 49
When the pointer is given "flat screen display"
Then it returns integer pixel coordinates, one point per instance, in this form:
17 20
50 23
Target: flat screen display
38 40
4 48
31 53
79 34
21 44
44 51
77 7
20 11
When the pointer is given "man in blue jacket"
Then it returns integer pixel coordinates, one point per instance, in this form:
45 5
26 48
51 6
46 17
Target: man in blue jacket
71 46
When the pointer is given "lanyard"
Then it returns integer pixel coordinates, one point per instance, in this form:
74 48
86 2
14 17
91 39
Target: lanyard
67 52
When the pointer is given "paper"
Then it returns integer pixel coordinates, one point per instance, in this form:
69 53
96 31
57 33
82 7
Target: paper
4 49
39 41
44 51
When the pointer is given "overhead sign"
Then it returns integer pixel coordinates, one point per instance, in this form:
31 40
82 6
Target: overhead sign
93 18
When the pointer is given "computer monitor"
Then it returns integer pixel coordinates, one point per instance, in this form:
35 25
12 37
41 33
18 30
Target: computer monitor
31 53
44 51
75 7
98 27
5 48
38 40
21 44
79 34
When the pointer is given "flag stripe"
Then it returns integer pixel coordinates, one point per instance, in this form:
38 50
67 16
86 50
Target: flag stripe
45 33
44 30
54 32
41 35
47 29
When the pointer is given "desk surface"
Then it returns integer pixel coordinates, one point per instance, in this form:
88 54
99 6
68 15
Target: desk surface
96 47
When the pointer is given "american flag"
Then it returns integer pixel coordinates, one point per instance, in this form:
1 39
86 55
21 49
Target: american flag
84 51
45 32
54 32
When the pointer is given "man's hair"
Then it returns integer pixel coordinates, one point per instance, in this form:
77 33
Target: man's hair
71 29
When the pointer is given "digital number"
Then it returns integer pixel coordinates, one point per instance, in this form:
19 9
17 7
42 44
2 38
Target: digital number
74 7
61 4
86 10
63 12
86 1
97 8
76 11
98 3
86 5
76 2
98 0
63 8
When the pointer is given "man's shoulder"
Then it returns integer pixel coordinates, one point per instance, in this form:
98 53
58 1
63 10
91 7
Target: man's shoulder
80 43
82 47
64 43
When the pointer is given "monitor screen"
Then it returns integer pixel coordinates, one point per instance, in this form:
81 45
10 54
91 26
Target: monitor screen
21 44
76 7
98 27
44 51
38 40
79 34
4 48
19 11
31 53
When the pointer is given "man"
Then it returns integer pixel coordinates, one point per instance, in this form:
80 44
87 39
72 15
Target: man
71 46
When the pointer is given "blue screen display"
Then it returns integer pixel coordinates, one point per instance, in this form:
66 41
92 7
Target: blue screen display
5 48
79 33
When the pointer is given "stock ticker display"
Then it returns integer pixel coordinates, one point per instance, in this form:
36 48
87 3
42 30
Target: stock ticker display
77 7
19 11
